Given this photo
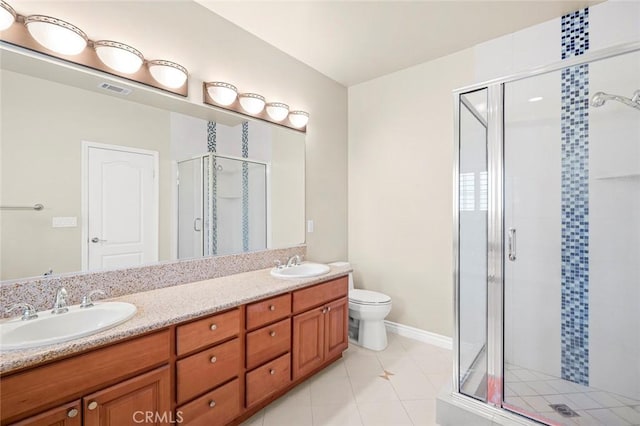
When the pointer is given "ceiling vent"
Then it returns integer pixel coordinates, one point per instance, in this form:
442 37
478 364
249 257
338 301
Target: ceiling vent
115 89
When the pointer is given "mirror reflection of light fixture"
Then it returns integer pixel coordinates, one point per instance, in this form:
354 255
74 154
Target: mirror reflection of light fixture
7 15
168 73
222 93
252 102
119 56
277 110
56 35
299 119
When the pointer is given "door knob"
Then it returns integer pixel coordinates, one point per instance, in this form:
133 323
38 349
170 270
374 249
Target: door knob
98 240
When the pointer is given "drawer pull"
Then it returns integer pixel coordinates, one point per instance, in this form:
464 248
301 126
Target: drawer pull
213 327
72 412
213 360
92 405
212 403
272 307
328 308
272 371
272 334
324 310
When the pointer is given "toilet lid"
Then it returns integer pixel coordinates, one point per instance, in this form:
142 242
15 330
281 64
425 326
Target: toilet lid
368 297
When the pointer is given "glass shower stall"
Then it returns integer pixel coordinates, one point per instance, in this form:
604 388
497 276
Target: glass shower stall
547 242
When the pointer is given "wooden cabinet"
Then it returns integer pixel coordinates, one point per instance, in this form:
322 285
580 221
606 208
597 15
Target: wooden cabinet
320 334
210 371
143 399
64 415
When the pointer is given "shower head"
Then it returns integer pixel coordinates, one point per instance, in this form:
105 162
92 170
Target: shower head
599 98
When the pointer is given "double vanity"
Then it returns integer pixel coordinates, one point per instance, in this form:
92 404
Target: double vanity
211 352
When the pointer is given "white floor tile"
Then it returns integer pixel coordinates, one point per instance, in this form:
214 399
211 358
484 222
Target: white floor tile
336 415
384 414
605 399
439 381
524 375
581 401
331 390
414 385
607 417
522 389
542 387
421 412
538 403
627 413
363 365
586 419
373 389
287 415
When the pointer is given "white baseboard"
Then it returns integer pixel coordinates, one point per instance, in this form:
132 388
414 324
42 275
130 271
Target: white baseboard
418 334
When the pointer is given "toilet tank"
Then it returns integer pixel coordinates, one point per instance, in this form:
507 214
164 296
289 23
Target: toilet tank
347 264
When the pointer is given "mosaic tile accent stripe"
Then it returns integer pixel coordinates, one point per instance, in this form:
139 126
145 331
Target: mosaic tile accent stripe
245 187
212 193
575 202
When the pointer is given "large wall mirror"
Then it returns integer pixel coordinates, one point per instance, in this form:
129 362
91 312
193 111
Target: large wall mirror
129 179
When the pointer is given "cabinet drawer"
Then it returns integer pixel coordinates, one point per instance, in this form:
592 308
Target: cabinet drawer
266 311
308 298
268 342
207 369
216 408
208 331
265 380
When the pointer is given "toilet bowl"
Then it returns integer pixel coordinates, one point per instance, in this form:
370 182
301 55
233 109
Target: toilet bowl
367 311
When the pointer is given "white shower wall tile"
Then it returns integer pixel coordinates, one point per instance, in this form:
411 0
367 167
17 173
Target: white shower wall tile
614 22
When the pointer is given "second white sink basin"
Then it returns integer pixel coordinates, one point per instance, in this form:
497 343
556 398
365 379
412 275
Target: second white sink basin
303 270
48 328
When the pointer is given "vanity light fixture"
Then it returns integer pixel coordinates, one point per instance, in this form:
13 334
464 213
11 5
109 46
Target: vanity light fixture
221 92
299 119
277 110
119 56
168 73
56 34
252 102
7 15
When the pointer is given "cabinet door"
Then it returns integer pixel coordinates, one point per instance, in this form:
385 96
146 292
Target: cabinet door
336 328
142 399
308 342
64 415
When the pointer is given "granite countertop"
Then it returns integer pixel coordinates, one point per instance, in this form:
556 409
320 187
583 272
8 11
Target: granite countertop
163 307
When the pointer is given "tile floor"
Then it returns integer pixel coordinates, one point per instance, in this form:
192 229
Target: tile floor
394 387
534 391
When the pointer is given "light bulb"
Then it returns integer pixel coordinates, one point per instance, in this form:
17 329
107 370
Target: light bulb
168 73
251 102
56 35
7 15
299 119
277 110
222 93
119 56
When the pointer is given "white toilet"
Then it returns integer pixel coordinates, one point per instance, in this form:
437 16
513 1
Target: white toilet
367 311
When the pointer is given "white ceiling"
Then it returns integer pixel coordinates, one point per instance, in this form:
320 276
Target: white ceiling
356 41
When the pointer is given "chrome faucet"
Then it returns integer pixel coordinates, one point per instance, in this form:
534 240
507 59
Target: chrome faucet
60 305
28 311
294 260
87 300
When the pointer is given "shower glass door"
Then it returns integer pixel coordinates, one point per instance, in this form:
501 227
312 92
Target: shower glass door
472 255
572 244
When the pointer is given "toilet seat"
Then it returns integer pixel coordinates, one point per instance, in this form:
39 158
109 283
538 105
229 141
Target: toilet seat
368 297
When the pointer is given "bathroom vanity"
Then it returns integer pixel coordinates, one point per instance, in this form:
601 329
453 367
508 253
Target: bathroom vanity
219 366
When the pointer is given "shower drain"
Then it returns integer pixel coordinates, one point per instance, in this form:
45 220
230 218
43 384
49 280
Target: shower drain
564 410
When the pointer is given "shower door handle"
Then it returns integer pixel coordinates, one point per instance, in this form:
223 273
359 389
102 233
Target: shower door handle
197 224
511 244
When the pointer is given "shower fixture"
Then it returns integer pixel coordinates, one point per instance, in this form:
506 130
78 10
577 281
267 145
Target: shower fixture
599 98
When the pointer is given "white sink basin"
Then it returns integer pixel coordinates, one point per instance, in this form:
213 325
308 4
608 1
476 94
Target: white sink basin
303 270
48 328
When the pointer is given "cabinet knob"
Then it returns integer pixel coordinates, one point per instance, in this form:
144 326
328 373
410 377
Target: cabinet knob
272 371
272 334
213 360
212 403
92 405
213 327
328 308
272 307
72 412
324 310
